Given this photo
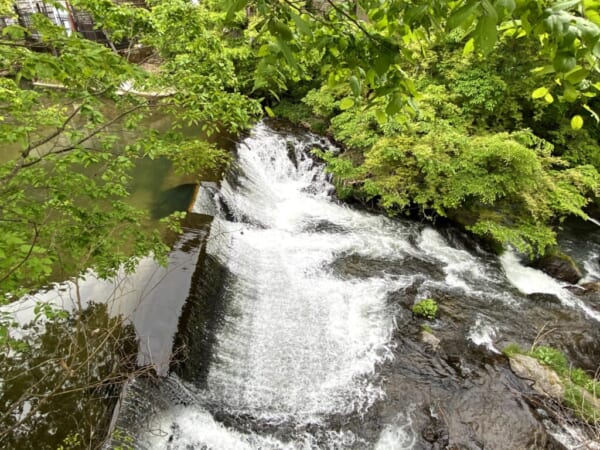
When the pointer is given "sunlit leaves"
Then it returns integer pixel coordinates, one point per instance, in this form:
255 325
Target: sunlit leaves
576 122
346 103
539 92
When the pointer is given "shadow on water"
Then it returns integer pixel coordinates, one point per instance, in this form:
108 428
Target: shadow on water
174 199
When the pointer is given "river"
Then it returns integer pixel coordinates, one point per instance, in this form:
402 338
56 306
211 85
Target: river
297 331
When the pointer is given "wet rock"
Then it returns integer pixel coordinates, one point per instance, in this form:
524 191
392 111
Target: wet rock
429 339
355 265
325 226
560 266
486 415
592 287
437 434
544 298
546 381
291 152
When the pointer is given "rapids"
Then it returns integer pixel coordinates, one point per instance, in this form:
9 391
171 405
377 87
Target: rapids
297 332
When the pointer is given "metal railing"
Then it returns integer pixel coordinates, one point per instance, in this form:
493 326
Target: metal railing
65 16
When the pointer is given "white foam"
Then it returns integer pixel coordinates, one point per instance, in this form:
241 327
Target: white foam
183 428
572 438
398 435
530 281
458 264
483 333
592 268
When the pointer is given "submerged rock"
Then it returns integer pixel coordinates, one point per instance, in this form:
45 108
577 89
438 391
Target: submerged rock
560 266
545 298
546 381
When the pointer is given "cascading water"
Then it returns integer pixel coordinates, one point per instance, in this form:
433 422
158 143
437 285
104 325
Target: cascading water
302 345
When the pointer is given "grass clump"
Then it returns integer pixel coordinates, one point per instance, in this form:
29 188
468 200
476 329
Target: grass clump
426 308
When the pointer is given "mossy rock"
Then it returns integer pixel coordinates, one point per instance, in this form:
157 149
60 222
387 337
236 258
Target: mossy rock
553 375
559 265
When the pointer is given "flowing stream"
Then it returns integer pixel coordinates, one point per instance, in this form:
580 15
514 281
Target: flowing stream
297 332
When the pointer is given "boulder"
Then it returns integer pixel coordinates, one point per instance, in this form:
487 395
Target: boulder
560 266
546 381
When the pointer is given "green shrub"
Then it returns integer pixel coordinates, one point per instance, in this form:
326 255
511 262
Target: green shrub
551 357
425 308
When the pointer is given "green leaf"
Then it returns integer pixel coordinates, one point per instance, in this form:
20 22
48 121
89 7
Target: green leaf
576 75
395 104
382 62
302 25
459 16
469 47
233 6
539 93
346 103
381 116
548 97
287 52
592 10
15 32
570 94
577 122
280 29
564 62
504 5
269 111
490 11
486 34
355 86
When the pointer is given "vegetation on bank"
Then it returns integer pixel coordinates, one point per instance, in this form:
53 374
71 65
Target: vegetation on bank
581 391
477 148
484 112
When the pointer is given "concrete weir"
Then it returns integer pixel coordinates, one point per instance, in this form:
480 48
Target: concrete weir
157 315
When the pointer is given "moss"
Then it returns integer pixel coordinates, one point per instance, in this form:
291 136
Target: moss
512 349
426 328
426 308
